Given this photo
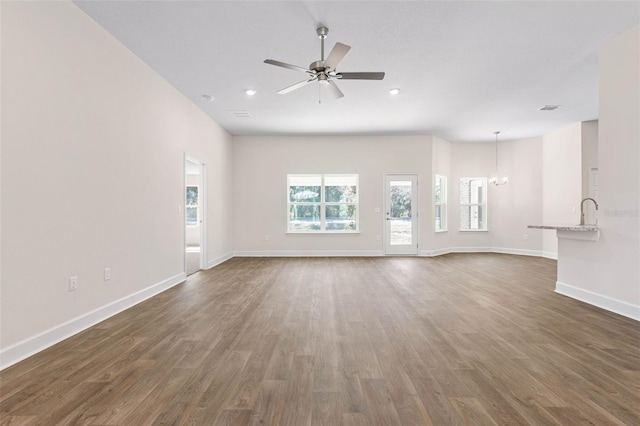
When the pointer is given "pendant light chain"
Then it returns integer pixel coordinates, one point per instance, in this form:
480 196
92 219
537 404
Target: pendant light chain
494 180
497 133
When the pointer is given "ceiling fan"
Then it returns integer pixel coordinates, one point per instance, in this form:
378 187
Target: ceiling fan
324 70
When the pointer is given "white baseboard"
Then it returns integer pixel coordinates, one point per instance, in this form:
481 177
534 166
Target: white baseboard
434 252
550 255
519 252
32 345
309 253
218 260
605 302
441 251
447 250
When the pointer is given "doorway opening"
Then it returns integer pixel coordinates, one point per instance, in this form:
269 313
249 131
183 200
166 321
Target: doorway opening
194 214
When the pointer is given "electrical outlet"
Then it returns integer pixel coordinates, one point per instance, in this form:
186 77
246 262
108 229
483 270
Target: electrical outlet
526 237
107 274
266 237
378 237
73 283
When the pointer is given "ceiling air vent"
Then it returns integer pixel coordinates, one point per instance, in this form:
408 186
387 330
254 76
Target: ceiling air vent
549 107
240 114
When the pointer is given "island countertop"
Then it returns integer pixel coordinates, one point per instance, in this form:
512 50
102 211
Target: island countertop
578 228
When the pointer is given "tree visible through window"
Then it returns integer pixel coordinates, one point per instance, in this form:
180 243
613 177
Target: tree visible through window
322 203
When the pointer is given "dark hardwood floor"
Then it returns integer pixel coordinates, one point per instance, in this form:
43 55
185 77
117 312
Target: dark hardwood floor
469 339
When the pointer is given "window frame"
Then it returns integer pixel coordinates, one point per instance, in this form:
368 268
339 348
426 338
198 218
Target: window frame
196 206
323 204
483 205
444 222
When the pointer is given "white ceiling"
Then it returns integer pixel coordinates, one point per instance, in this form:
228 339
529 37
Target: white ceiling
466 69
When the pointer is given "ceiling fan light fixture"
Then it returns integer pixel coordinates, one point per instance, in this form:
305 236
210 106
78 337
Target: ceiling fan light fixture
250 92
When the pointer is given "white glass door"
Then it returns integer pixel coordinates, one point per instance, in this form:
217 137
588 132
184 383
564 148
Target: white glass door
401 213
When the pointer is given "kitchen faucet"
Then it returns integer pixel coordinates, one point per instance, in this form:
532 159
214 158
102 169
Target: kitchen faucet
582 209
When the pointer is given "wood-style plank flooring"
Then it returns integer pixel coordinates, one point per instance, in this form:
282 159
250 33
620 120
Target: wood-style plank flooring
469 339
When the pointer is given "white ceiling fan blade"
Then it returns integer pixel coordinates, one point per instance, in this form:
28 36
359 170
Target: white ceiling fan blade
360 75
296 86
334 89
336 55
285 65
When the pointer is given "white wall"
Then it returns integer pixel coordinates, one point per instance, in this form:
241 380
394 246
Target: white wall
589 159
589 132
562 182
511 207
261 165
607 273
441 160
518 204
470 160
260 168
92 176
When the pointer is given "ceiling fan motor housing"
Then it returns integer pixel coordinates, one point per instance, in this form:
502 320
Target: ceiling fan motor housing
317 66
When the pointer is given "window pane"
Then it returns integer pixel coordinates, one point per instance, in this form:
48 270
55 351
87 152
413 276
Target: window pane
304 189
472 217
439 189
304 218
477 191
400 231
340 218
438 215
340 189
304 194
191 216
319 203
192 195
400 199
471 191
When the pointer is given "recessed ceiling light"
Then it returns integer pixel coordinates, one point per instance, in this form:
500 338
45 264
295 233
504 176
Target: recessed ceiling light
394 91
250 92
549 107
208 97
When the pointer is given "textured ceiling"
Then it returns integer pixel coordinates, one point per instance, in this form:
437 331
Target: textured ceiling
465 69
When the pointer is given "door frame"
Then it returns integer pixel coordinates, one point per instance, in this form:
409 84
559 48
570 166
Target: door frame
202 202
414 213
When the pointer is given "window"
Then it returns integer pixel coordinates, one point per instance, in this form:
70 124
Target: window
440 202
191 205
322 203
473 204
